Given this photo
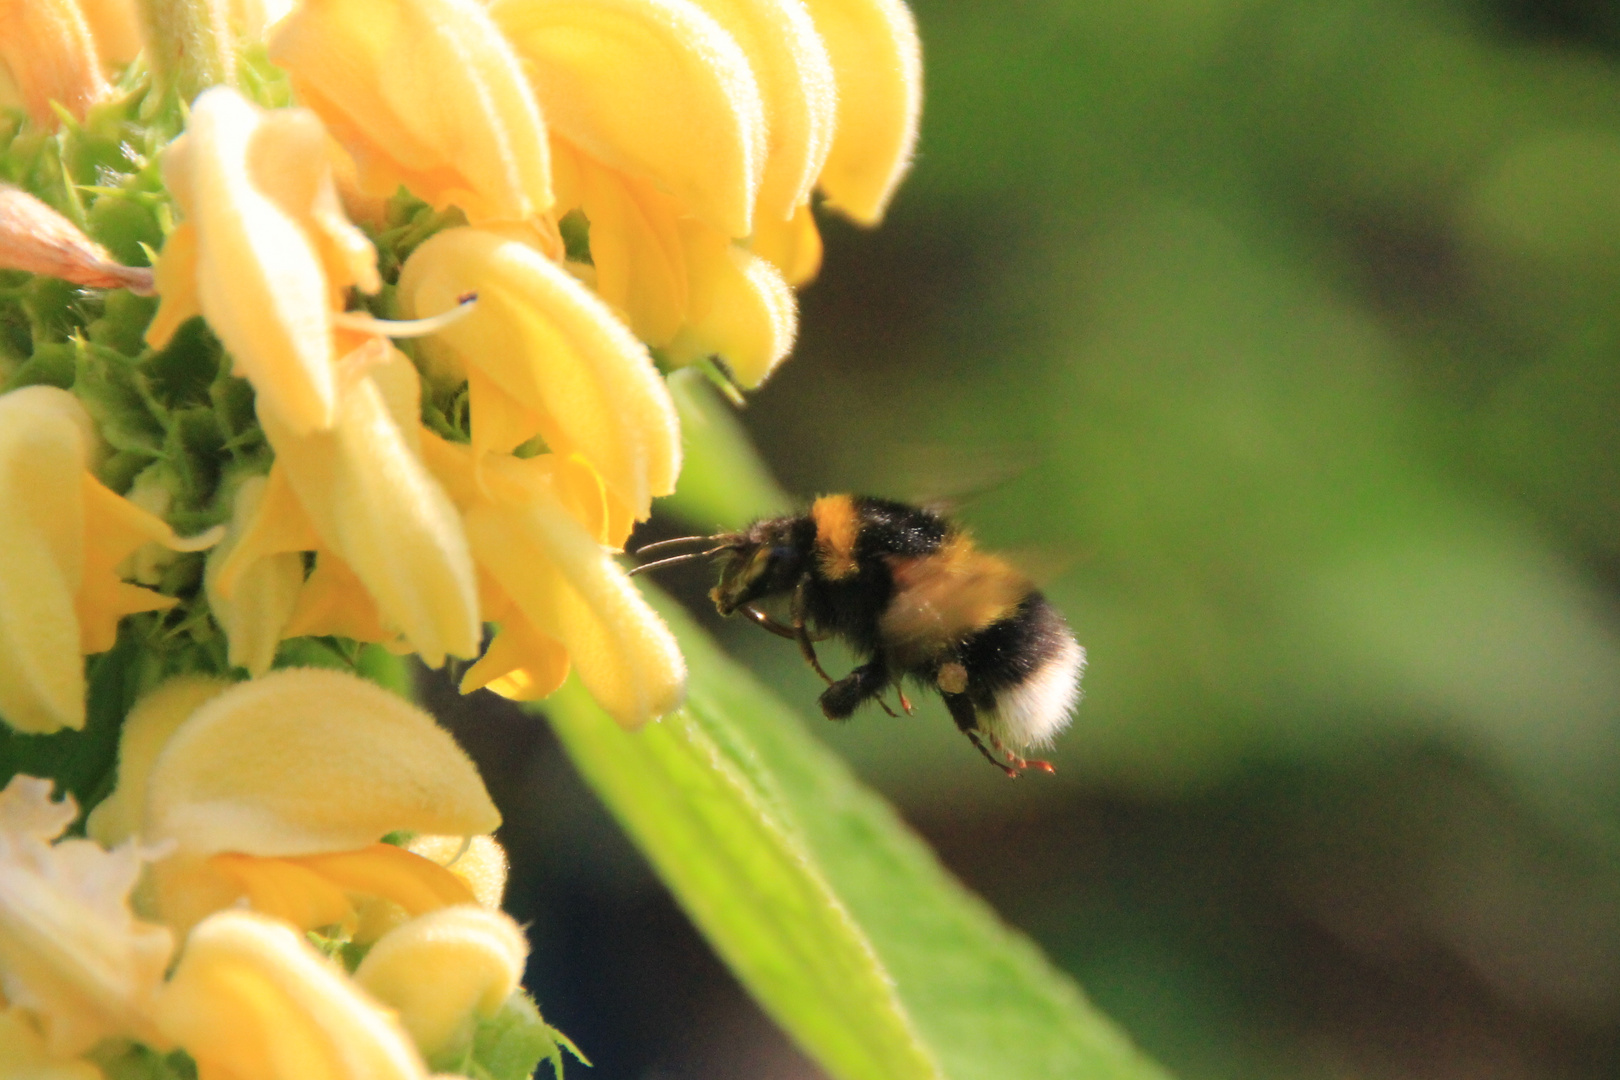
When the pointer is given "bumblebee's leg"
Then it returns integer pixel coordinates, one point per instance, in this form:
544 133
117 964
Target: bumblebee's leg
967 719
801 634
765 622
843 697
1018 761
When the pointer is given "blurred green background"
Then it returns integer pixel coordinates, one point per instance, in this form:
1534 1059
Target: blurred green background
1283 340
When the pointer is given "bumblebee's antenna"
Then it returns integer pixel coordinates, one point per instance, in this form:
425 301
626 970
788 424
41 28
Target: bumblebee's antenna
691 556
679 540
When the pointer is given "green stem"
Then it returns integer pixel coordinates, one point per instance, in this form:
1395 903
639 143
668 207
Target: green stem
189 44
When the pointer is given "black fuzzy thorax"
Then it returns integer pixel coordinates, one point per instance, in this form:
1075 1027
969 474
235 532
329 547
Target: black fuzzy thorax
851 607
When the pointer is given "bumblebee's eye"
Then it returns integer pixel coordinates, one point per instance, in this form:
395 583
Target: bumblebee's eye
781 554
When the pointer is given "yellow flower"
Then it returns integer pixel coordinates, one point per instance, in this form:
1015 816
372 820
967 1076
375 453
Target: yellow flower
51 56
251 1000
673 139
392 559
277 790
72 956
424 93
555 590
444 970
877 62
543 356
264 253
373 504
65 535
653 89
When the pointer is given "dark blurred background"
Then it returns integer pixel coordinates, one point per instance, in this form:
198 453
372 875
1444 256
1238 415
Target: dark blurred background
1283 338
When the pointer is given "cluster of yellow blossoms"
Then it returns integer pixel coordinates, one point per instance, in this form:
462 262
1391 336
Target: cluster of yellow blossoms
630 184
635 182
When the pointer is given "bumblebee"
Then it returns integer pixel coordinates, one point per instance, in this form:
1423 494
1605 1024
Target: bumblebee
909 592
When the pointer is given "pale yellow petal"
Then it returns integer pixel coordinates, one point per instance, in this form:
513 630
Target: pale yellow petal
424 93
263 593
741 310
70 950
251 1000
260 281
145 732
372 502
48 47
878 65
570 589
444 970
797 86
554 348
309 760
653 88
480 861
42 458
278 525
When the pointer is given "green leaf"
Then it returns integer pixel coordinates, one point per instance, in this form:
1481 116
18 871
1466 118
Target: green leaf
833 913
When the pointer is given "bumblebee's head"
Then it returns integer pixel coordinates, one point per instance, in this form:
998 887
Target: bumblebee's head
767 560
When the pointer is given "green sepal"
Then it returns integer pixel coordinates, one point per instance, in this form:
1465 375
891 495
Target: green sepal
510 1045
132 1061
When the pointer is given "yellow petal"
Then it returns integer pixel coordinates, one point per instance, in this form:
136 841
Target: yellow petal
314 891
145 732
52 57
569 588
521 663
70 950
276 526
797 86
376 507
741 310
263 594
878 65
42 458
286 891
793 247
424 93
635 247
24 1055
444 970
270 251
334 602
251 1000
479 861
308 760
652 88
115 528
116 27
556 350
